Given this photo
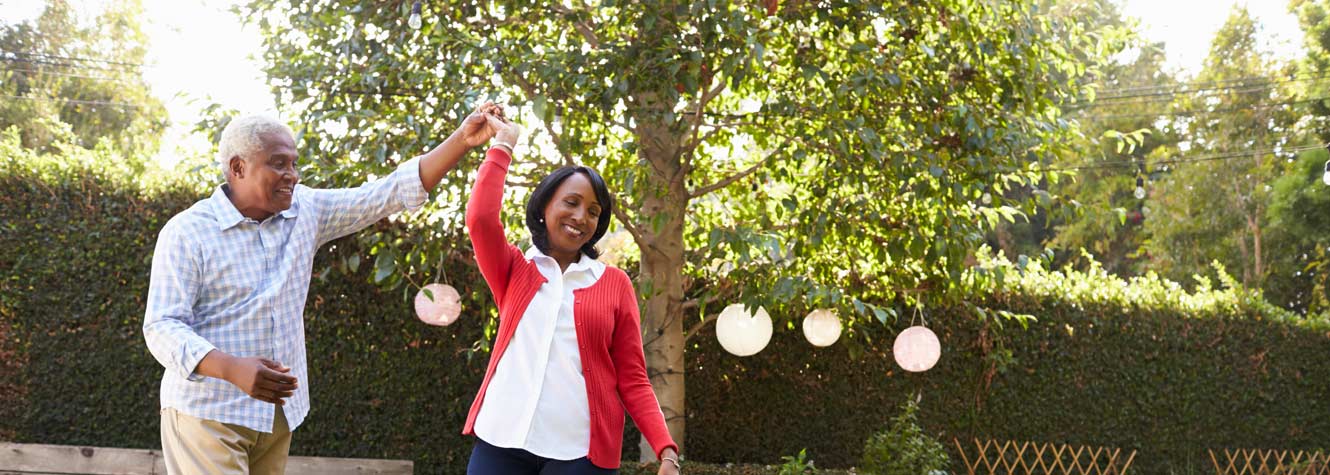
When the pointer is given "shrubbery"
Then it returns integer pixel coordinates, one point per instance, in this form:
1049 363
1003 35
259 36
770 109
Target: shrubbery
1141 364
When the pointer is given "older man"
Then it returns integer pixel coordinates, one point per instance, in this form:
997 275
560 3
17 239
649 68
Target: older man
227 294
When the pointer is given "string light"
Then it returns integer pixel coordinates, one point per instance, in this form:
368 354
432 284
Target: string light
1140 188
414 21
1326 178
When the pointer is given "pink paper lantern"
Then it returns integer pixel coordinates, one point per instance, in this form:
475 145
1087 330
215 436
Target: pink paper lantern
916 349
439 306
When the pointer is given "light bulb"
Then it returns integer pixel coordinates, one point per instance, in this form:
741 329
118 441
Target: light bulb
987 198
1140 188
1326 179
414 21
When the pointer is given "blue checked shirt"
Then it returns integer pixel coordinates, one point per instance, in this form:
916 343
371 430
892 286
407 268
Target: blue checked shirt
223 281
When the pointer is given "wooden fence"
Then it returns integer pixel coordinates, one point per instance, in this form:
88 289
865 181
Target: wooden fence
993 457
1270 462
66 459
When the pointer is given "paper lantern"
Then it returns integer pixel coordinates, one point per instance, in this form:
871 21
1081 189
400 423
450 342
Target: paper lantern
916 349
821 327
440 307
742 333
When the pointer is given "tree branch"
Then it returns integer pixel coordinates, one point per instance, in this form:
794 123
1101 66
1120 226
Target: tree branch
695 121
627 223
588 33
530 90
699 326
737 176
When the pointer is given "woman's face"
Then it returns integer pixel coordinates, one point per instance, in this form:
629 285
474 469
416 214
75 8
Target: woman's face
572 214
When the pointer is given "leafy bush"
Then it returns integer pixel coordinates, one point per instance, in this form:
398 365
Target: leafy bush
1140 364
797 464
904 448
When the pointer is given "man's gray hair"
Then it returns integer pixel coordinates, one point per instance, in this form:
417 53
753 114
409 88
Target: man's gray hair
243 137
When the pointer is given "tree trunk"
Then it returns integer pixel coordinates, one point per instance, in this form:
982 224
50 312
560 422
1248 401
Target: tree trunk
660 223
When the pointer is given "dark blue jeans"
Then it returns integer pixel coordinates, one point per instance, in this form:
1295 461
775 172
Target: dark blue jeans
487 459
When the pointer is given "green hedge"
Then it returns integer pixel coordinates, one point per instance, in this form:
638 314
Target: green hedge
74 271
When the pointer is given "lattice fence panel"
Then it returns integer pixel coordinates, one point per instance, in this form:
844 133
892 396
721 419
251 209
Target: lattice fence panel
1006 457
1270 462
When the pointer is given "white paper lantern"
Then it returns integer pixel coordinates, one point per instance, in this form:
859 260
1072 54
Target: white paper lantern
742 333
440 310
822 327
916 349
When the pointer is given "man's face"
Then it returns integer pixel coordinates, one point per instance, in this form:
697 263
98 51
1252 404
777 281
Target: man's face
268 178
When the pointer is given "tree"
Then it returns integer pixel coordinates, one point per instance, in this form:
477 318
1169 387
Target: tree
790 154
1213 200
1299 208
64 79
1120 124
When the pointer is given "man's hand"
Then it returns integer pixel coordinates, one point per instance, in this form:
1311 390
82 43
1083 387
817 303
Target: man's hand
476 129
260 378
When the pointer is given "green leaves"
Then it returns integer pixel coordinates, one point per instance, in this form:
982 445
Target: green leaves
384 265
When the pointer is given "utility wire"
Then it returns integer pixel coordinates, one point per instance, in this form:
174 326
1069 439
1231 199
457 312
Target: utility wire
1188 113
75 101
44 72
1212 85
49 57
1206 158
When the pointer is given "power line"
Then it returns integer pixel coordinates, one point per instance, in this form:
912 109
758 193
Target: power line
1206 158
1186 113
75 101
64 65
1216 84
73 58
54 73
1170 94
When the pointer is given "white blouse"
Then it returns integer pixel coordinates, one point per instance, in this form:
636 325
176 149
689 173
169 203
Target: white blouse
536 400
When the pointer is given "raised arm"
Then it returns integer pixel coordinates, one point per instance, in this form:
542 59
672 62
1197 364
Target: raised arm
494 254
475 130
344 211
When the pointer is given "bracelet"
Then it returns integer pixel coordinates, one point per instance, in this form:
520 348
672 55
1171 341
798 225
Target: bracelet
673 461
509 146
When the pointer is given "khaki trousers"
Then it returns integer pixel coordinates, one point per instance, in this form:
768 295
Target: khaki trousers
198 446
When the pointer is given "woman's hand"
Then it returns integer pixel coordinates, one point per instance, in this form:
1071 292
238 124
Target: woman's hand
507 133
669 462
476 129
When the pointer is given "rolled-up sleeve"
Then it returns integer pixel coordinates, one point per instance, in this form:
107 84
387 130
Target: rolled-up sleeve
347 210
172 288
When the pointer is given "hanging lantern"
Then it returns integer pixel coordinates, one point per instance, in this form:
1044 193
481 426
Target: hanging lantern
821 327
438 304
742 333
414 20
916 349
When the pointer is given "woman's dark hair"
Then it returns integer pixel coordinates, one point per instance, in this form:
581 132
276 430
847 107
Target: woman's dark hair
540 198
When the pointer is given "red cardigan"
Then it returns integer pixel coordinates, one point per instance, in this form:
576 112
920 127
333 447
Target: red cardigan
609 336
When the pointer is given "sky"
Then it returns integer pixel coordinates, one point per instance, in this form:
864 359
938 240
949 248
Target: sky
199 50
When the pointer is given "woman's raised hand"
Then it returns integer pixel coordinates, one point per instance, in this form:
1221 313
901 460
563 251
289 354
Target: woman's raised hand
475 129
507 132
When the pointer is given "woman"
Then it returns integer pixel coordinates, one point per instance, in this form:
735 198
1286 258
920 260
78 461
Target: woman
567 358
